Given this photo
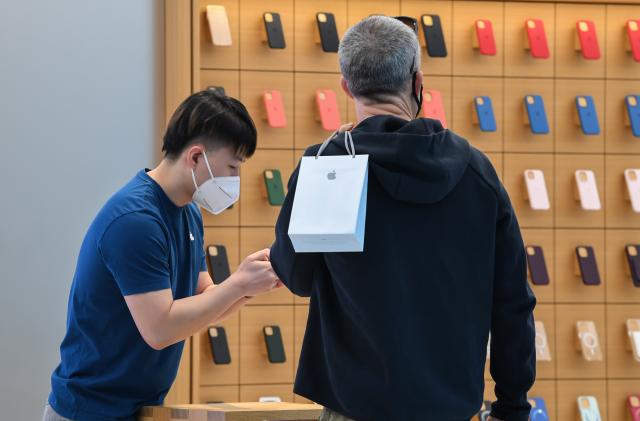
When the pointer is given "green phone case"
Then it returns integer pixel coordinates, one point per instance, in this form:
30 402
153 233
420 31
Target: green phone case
275 189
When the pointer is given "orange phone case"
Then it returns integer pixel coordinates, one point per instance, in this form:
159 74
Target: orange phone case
328 109
274 106
432 106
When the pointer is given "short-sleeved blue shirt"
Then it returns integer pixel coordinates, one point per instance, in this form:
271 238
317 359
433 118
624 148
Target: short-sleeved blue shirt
139 242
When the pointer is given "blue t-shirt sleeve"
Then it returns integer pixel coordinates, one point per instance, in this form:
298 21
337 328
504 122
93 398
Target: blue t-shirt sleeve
135 250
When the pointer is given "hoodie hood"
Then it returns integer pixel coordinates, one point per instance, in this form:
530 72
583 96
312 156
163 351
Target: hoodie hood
415 161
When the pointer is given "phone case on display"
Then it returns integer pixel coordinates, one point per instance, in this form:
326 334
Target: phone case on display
536 189
328 32
328 109
588 407
538 410
633 37
632 180
537 265
537 38
432 106
633 330
587 190
632 115
587 115
588 340
217 89
633 404
219 345
483 37
536 114
433 36
633 260
264 399
543 353
275 189
587 39
483 115
275 347
588 266
219 25
274 105
273 28
218 263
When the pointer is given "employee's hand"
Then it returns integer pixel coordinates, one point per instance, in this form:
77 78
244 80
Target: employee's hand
255 274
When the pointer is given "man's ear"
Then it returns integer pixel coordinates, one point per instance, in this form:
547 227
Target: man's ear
419 82
345 87
192 155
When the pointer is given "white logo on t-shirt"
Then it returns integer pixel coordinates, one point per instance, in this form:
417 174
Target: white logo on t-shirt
191 237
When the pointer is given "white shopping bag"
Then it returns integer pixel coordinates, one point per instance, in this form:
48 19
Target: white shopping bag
330 203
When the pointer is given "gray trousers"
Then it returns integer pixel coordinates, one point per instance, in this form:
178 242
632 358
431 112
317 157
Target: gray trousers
51 415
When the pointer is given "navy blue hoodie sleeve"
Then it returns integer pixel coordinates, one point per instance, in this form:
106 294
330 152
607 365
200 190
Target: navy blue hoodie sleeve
295 270
513 356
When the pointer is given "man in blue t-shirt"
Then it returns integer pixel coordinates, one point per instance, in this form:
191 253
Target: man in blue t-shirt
141 284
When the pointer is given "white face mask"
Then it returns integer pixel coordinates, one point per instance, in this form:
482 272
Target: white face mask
217 193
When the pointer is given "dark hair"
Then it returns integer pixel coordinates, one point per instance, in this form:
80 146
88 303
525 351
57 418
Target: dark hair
211 118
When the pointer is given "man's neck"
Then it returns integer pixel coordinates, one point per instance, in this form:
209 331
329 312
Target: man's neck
170 180
398 109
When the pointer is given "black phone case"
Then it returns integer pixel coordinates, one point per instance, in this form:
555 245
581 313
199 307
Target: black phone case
434 37
634 264
275 33
275 347
537 266
220 346
219 264
328 33
217 89
588 266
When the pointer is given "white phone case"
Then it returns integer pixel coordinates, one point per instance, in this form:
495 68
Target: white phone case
536 189
219 25
589 341
633 329
543 353
632 178
587 190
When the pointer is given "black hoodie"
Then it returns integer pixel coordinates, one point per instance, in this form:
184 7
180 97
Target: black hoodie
399 331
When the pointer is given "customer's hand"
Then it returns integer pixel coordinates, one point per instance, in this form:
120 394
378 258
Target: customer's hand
255 274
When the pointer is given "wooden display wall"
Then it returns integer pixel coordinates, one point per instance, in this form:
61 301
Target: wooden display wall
248 67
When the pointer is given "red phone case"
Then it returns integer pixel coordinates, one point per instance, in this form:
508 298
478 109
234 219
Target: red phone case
275 108
537 38
484 35
328 109
633 33
588 38
432 106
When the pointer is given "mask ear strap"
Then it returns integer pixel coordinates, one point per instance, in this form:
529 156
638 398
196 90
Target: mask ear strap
193 177
206 161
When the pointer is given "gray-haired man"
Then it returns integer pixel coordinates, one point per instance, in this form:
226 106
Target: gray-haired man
399 331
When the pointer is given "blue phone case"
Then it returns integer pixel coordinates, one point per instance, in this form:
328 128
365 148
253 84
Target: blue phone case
484 112
537 115
539 412
633 111
588 115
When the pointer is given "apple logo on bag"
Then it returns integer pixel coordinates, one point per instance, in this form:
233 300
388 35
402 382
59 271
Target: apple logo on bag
331 175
